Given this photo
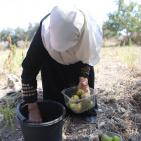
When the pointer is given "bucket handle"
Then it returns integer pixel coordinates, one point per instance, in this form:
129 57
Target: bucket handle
19 115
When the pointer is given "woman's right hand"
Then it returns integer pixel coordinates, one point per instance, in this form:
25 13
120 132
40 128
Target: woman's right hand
34 113
83 84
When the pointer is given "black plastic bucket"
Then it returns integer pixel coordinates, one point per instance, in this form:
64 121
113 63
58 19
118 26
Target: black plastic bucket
50 129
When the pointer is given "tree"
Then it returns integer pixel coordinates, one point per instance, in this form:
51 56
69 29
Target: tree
19 34
4 34
126 19
31 31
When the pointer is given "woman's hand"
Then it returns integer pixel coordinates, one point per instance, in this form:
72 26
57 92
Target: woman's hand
34 113
83 84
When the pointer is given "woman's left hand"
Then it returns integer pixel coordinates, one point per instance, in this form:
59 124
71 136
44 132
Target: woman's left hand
83 84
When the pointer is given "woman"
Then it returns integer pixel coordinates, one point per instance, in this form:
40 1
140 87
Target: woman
65 48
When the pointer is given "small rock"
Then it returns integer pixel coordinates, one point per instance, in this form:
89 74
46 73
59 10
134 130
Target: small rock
13 82
137 118
95 138
122 110
100 110
101 124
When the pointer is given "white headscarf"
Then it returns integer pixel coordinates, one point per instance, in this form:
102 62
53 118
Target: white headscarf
70 35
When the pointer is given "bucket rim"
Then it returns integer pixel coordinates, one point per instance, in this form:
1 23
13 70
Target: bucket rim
24 121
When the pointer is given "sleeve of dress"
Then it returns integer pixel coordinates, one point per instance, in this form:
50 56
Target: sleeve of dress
85 70
31 66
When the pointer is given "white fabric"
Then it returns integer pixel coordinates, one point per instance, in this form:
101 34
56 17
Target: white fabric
71 35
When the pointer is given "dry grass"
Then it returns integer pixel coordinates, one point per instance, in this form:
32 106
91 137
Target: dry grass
128 56
10 62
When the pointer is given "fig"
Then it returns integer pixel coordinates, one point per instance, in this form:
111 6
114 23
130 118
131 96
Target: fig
80 92
106 138
116 138
74 98
76 107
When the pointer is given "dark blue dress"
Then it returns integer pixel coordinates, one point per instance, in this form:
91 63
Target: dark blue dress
54 75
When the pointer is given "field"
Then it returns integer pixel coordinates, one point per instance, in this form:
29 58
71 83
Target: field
118 91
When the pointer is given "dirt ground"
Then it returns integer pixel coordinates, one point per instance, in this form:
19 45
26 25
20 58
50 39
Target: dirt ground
118 92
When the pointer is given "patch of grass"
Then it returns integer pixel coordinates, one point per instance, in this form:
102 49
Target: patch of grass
9 115
130 59
14 58
17 60
129 56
